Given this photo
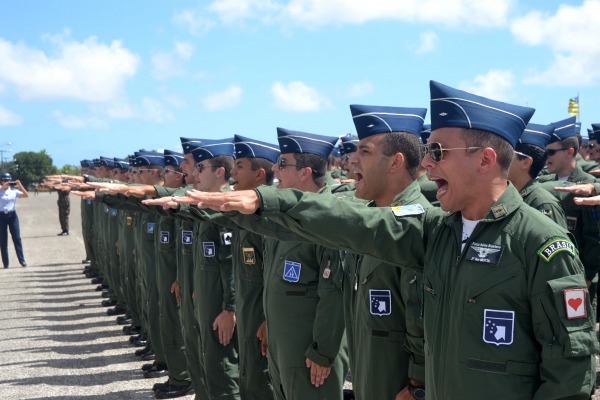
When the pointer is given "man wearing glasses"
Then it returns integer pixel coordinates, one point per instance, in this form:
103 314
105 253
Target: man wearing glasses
529 159
505 300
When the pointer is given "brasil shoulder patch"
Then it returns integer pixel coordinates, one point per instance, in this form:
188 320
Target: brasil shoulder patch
554 246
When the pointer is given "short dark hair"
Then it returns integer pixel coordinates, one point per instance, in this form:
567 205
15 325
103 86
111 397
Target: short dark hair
223 161
537 154
406 143
317 163
571 142
479 138
579 139
257 163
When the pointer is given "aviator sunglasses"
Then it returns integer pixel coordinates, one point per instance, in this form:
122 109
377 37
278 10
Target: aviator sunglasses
436 151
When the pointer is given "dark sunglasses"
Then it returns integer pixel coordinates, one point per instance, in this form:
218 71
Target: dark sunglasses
172 171
200 167
552 152
281 163
436 151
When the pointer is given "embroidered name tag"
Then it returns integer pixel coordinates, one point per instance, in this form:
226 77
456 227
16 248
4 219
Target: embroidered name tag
209 249
498 326
291 271
575 303
186 237
164 236
554 246
485 253
381 302
411 209
249 255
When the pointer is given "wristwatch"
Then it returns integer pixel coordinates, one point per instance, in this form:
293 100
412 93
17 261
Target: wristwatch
417 392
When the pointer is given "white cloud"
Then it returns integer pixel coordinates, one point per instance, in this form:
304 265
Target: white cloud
9 118
228 98
569 34
495 84
87 71
153 110
428 42
100 115
74 122
360 89
314 13
170 64
297 97
193 22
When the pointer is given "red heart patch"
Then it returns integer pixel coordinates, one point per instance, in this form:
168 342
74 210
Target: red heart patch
575 303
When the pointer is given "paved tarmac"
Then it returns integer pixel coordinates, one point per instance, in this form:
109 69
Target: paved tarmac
56 341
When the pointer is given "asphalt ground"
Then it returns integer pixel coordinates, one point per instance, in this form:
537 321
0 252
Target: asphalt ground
56 341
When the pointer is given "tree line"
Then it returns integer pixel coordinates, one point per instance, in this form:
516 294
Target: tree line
31 167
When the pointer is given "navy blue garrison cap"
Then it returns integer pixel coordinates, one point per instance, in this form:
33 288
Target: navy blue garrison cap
537 135
349 144
577 127
87 164
373 120
595 134
563 129
143 158
252 148
121 163
107 162
189 144
302 142
213 148
425 133
132 162
174 158
453 108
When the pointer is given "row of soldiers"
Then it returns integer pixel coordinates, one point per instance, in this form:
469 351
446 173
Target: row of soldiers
248 291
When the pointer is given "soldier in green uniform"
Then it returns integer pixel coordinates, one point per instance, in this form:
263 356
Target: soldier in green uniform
86 220
383 321
252 168
529 159
505 301
64 208
302 295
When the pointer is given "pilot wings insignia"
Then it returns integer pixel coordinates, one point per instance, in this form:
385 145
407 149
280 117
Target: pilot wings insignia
484 253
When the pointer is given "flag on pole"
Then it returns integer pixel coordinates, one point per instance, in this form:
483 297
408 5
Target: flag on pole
573 108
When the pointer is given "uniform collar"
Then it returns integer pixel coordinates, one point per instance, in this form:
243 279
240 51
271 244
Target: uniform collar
528 188
410 195
507 204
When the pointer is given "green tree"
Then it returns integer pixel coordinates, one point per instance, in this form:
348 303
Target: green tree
31 167
69 169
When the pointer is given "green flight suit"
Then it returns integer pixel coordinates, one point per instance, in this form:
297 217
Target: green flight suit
303 307
87 229
506 316
64 208
537 197
171 332
386 321
586 165
214 291
185 277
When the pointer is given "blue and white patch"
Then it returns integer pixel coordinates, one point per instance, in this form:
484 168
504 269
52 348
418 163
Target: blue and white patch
164 236
209 249
291 271
381 302
114 212
89 202
150 227
411 209
186 237
498 326
227 238
105 210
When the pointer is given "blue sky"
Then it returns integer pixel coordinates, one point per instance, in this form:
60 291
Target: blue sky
89 78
